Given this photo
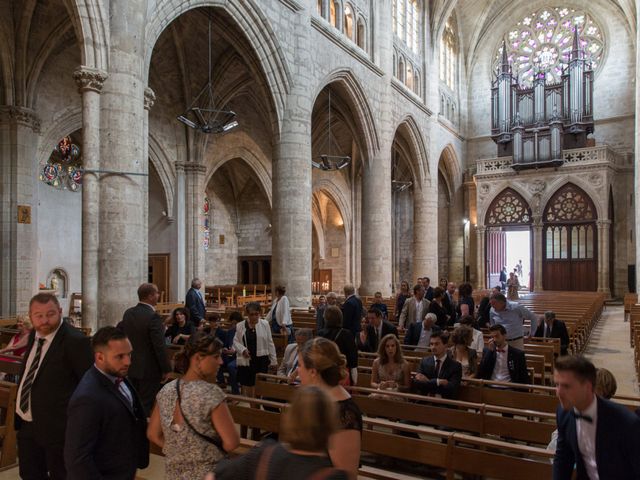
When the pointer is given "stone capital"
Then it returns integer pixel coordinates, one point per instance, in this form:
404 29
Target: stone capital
20 115
603 223
149 98
194 168
89 79
179 167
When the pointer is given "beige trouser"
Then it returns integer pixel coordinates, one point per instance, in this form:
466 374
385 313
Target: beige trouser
519 343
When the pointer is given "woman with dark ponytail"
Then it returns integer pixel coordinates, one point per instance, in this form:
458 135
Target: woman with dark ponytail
191 420
321 364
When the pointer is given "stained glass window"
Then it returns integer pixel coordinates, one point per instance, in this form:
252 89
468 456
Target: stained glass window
543 40
63 169
570 204
508 208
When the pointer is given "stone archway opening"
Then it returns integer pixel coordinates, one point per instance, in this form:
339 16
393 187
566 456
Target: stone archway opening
329 245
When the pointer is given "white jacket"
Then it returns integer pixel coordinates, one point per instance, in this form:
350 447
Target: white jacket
264 343
283 313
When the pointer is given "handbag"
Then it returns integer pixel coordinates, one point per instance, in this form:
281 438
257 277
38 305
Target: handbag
217 441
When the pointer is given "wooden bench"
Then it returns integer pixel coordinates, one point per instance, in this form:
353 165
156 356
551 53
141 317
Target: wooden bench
8 450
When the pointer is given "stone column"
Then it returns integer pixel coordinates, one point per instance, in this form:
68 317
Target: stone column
181 233
194 201
636 189
425 229
291 234
123 199
480 257
90 82
538 253
19 129
603 256
149 100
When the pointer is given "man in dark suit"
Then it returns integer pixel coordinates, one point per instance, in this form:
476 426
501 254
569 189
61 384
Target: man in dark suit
195 302
600 437
428 289
502 362
57 357
438 374
419 333
351 310
144 328
553 328
449 303
377 328
107 427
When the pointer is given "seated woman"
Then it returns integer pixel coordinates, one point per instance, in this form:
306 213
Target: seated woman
191 420
18 343
305 429
343 338
321 364
390 371
181 328
466 305
462 352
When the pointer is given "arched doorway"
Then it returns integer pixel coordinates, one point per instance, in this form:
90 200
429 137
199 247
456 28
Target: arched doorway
570 241
508 215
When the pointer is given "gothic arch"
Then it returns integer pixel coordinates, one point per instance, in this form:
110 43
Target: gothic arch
69 122
408 128
449 165
336 195
90 22
600 203
165 171
359 106
257 30
508 208
262 175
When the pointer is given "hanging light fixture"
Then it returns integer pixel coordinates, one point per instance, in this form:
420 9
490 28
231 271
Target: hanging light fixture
202 114
398 185
329 161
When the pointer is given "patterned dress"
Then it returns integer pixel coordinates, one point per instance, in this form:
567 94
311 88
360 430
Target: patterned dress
187 456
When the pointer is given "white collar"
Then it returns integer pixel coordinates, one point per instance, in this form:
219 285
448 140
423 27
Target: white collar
49 338
591 410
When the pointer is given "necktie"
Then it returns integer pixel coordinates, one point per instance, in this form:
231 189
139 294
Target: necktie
25 397
547 331
118 382
586 418
438 368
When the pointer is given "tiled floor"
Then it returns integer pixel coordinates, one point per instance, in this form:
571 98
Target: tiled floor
608 348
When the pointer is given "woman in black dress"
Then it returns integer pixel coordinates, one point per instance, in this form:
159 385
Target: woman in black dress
321 364
437 308
343 338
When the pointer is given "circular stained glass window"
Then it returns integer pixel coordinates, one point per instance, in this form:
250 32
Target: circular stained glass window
543 40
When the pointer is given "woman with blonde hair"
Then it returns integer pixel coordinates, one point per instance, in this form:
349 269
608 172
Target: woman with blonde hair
305 429
191 420
321 364
390 370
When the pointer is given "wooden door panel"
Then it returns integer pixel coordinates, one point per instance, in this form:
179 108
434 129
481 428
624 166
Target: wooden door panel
159 274
584 275
557 275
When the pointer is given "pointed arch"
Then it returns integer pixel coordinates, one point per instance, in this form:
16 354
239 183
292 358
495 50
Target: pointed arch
508 208
258 32
90 22
362 112
449 166
408 128
165 171
336 195
585 187
569 203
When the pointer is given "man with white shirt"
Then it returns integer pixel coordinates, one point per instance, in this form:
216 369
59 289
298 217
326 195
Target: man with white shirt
500 361
511 315
601 438
438 374
57 357
144 328
419 333
194 301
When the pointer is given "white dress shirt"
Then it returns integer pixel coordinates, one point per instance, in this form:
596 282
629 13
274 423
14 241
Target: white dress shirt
586 433
27 416
419 315
121 386
501 368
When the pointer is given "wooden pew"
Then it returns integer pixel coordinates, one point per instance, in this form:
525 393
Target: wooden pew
8 450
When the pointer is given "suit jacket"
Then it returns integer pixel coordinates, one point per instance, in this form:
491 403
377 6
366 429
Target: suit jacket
60 371
516 363
145 330
558 330
196 306
288 359
106 436
428 293
383 308
408 315
352 314
450 305
617 444
483 313
449 370
441 313
372 342
412 337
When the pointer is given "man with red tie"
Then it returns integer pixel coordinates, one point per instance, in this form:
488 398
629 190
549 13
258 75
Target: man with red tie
438 374
502 362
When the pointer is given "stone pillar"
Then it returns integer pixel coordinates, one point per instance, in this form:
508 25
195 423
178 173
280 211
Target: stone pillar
149 100
291 234
425 229
90 82
480 257
123 198
19 129
181 232
603 256
194 201
636 189
538 253
376 224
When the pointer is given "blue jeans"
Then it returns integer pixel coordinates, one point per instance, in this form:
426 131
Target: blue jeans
229 364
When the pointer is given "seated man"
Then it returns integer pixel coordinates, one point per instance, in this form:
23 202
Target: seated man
376 328
380 305
502 362
550 327
438 374
419 333
289 365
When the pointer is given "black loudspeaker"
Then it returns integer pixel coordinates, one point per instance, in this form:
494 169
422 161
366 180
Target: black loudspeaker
631 278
